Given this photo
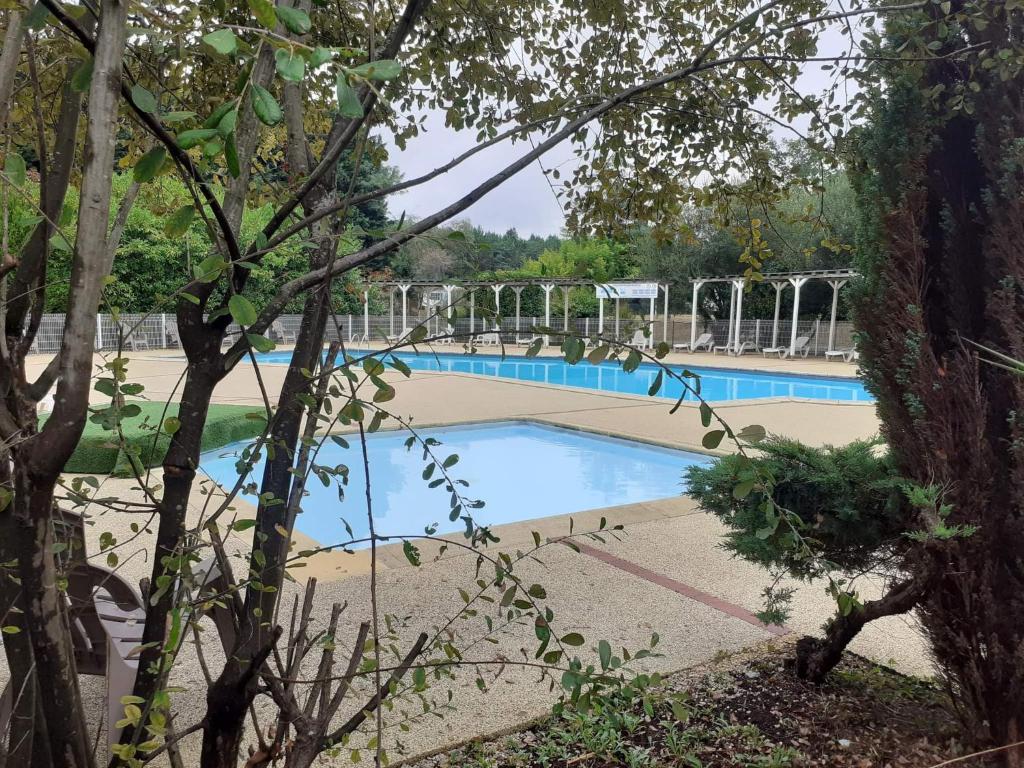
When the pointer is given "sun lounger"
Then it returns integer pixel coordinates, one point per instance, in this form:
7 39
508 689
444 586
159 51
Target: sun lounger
282 334
706 341
848 355
640 339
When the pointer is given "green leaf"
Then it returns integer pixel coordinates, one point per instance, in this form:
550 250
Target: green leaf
713 439
143 99
231 157
260 343
573 638
243 524
348 100
263 10
419 678
10 629
210 268
705 414
604 650
412 554
320 56
82 77
179 221
222 41
149 165
534 349
177 117
265 106
290 66
195 137
14 168
171 425
241 309
294 19
37 17
754 433
656 384
226 126
382 69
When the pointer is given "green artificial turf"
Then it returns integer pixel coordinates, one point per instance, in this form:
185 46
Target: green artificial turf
98 451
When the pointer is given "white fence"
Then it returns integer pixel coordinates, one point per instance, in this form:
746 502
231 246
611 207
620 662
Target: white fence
136 332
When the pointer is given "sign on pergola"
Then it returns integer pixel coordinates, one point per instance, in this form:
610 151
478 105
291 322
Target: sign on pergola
627 290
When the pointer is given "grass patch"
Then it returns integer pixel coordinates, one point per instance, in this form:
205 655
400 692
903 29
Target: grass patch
98 451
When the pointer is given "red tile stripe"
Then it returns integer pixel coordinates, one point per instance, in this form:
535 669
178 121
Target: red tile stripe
722 606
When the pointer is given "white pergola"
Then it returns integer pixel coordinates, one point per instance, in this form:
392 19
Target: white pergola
836 278
616 290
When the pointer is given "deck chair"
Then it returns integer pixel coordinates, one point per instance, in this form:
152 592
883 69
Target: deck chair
848 355
526 339
705 341
172 337
491 338
743 347
395 338
283 334
640 339
450 337
136 341
800 348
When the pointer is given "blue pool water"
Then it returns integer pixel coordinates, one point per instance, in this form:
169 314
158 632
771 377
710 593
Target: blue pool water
716 383
520 470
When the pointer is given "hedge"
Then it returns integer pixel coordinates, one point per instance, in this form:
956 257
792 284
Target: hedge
98 451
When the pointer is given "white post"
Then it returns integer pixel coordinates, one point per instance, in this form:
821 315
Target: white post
617 313
693 314
600 315
650 328
391 310
732 313
836 285
779 288
366 316
519 302
497 302
664 320
449 290
547 308
738 284
405 305
797 283
472 313
99 331
163 329
565 307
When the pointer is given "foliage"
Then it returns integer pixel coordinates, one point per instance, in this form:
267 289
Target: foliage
145 434
849 498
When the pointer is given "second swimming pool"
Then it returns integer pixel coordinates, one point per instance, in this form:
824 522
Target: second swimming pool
520 470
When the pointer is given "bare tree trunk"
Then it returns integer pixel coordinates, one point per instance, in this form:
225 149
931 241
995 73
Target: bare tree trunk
816 657
39 461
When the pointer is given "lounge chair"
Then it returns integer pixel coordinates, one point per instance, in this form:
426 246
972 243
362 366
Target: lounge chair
283 334
743 347
715 349
799 348
705 341
136 341
491 338
396 338
849 355
525 340
640 339
449 337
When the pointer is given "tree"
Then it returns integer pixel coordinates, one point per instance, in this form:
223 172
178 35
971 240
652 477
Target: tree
260 105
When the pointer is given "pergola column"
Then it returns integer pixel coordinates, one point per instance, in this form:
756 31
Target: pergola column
548 287
836 285
732 313
693 313
650 327
797 283
600 315
519 302
472 314
404 288
449 290
366 315
391 309
617 314
738 287
497 301
664 320
565 307
779 288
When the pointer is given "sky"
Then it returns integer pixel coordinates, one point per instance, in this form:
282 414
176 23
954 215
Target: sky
525 202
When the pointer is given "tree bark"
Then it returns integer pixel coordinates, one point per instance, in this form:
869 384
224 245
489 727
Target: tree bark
817 656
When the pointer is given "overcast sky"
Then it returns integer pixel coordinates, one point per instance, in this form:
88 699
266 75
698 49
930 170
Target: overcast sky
525 202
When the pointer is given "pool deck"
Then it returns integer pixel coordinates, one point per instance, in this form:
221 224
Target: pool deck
666 573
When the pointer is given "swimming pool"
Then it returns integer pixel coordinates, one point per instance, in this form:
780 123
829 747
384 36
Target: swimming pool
717 384
520 470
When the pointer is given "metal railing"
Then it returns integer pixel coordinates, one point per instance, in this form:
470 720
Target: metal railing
136 332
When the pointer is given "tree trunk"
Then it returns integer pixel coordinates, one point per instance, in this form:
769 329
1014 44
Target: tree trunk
817 656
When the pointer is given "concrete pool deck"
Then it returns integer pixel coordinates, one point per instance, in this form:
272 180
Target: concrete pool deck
666 573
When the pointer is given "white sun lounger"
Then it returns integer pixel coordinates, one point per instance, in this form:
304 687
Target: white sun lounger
705 341
801 347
